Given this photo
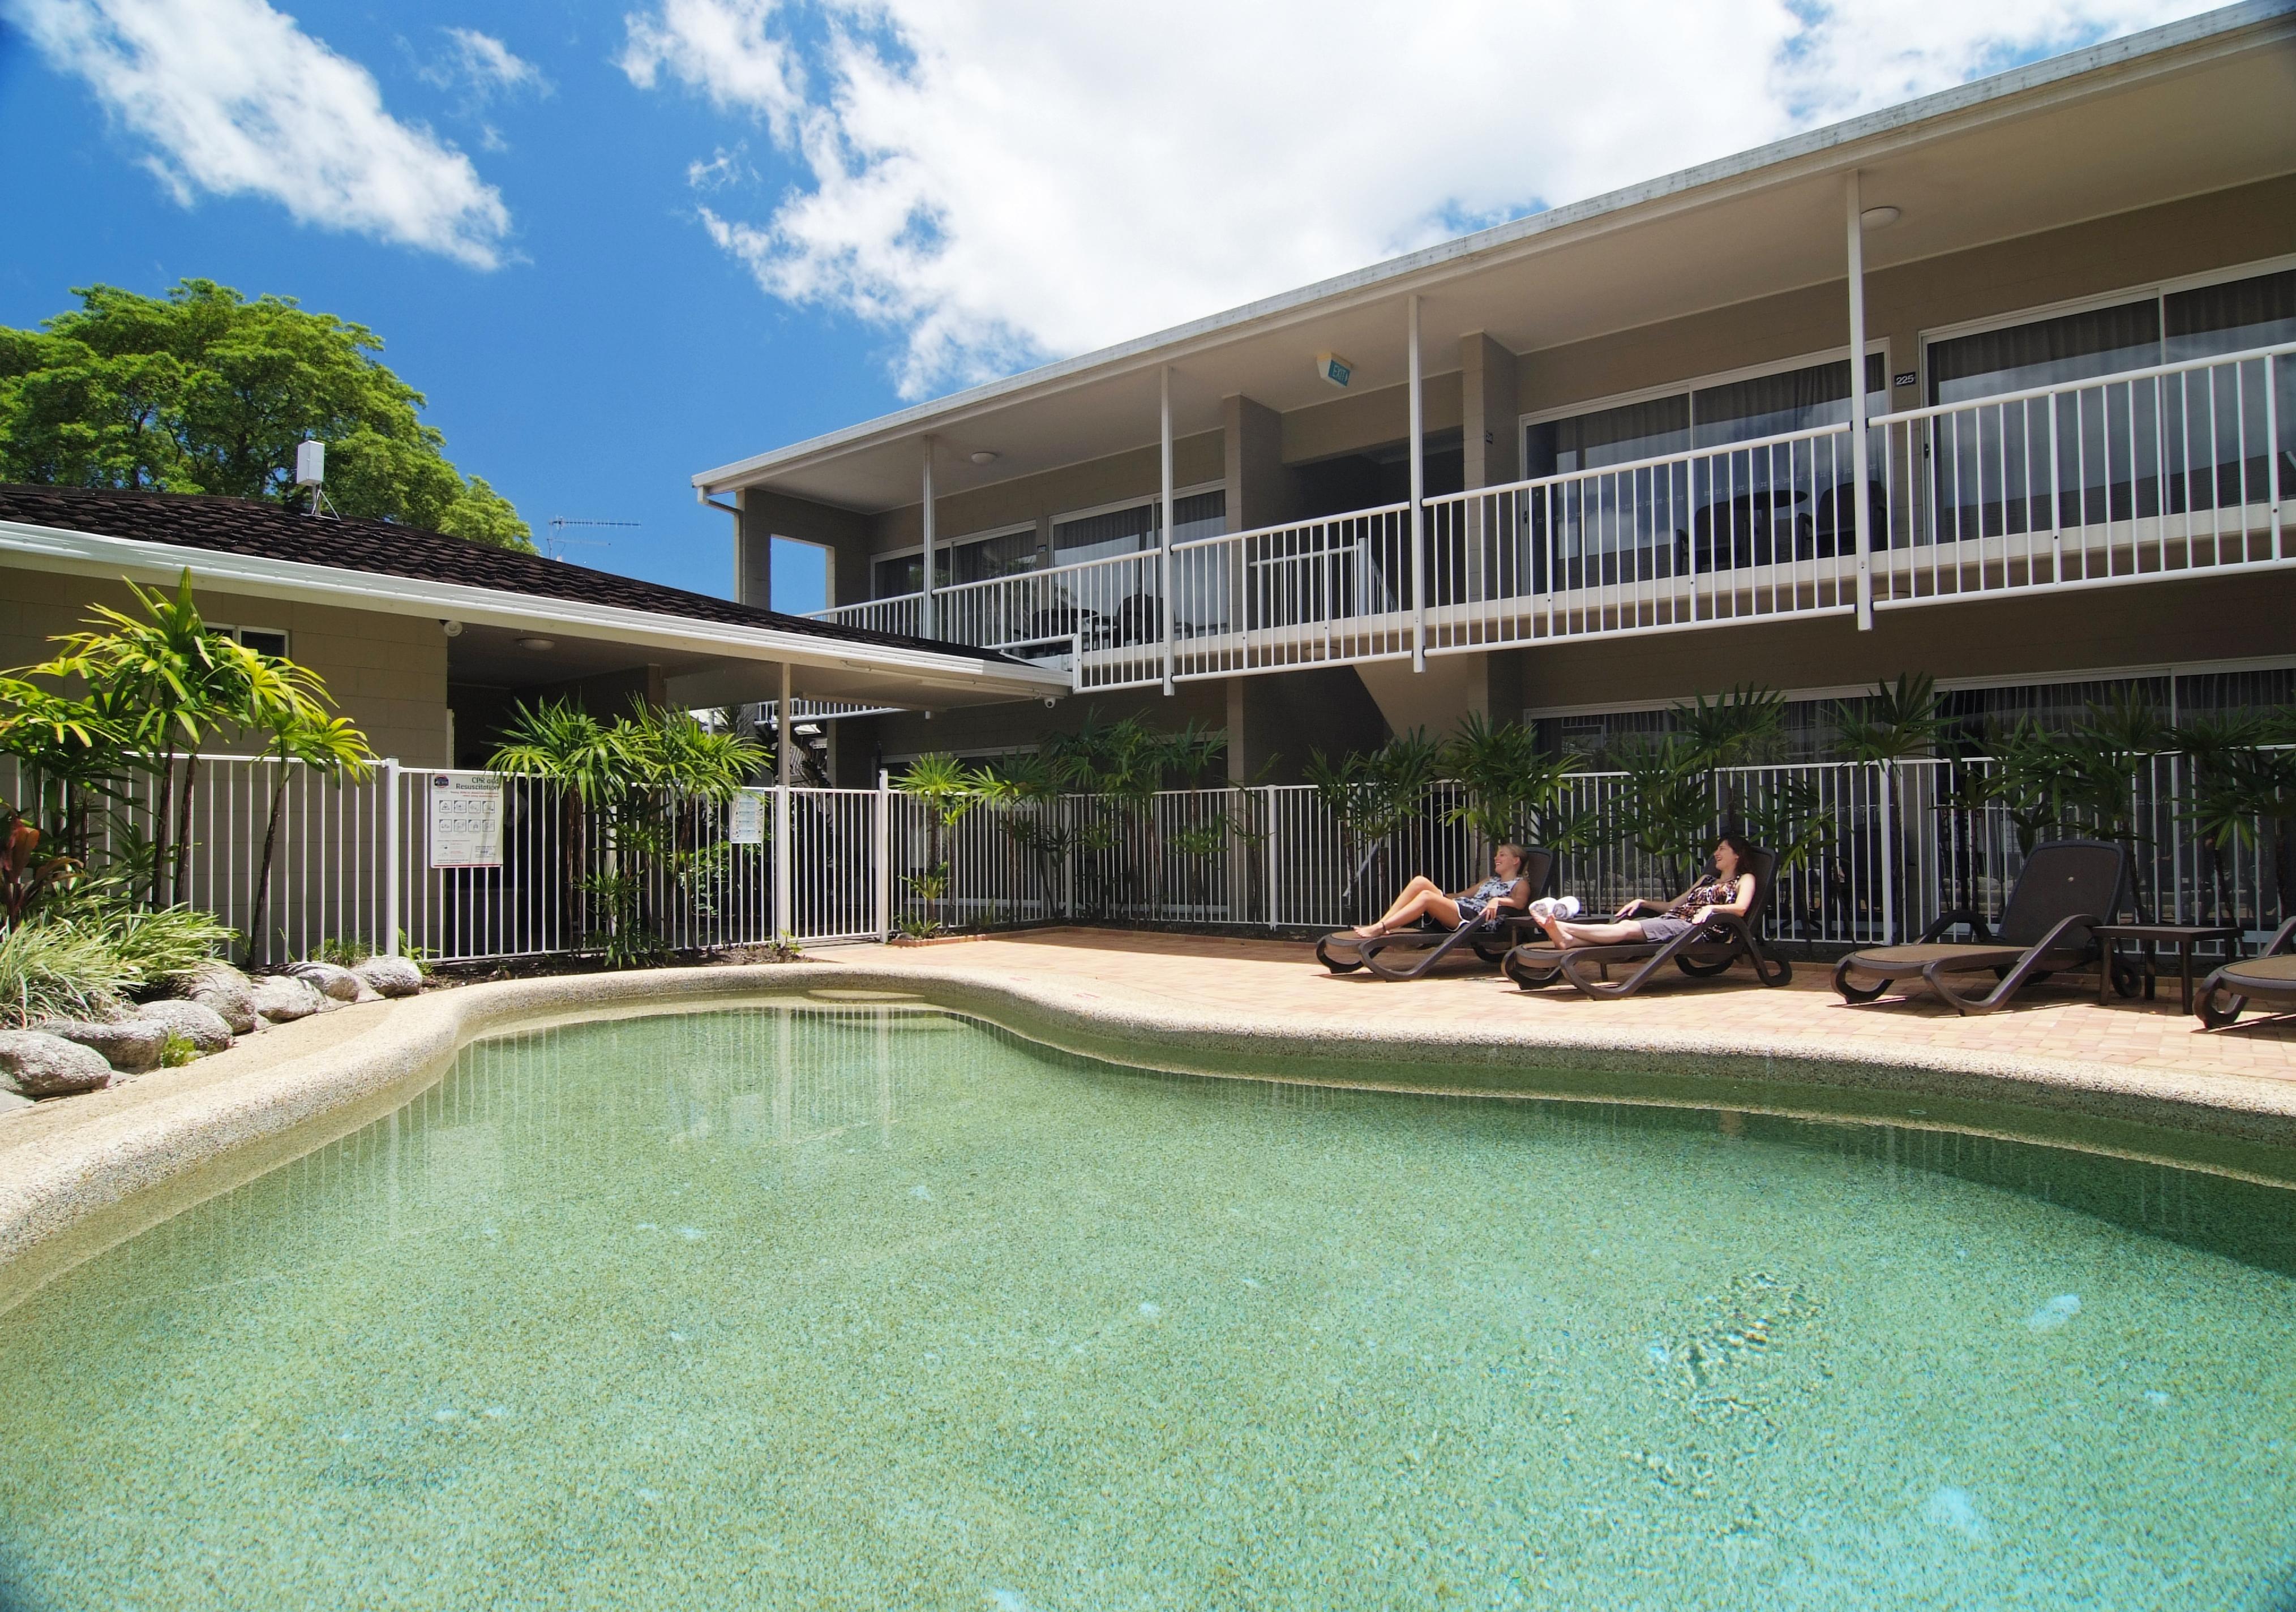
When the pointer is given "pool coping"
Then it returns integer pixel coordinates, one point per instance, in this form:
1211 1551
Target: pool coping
133 1155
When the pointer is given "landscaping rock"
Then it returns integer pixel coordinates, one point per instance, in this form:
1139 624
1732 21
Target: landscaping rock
282 998
34 1064
223 989
338 983
195 1022
390 975
9 1100
129 1045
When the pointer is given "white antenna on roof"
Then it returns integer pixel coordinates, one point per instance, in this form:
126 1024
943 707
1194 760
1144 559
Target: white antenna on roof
558 538
311 471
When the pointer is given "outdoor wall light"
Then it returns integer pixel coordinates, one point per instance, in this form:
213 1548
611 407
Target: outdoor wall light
984 455
538 643
1879 218
453 629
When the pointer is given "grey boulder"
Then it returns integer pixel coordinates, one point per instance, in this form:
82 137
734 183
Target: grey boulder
11 1099
225 991
196 1022
390 975
129 1045
338 983
34 1064
282 998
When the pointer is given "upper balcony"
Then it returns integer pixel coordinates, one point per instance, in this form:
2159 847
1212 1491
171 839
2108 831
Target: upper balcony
2172 471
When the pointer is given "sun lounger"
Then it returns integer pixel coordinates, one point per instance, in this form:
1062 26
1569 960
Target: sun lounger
1416 951
1703 952
2270 975
2067 885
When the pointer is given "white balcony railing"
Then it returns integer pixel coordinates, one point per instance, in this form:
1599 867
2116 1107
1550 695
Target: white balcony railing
2174 470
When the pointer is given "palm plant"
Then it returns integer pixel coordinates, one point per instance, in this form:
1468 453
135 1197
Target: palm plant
1901 721
1510 790
287 702
1665 807
949 790
1025 787
1728 732
1372 795
2245 789
587 761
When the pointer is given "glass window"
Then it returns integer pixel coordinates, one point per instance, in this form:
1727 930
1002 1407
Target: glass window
966 560
1124 531
1200 515
2070 346
2231 317
1611 436
1794 400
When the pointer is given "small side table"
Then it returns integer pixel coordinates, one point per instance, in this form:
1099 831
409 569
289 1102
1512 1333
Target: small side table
2150 937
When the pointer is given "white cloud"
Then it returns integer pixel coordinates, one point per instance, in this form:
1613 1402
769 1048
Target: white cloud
725 167
485 66
236 100
1000 180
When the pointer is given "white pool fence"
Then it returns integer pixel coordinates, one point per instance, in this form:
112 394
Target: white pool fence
467 867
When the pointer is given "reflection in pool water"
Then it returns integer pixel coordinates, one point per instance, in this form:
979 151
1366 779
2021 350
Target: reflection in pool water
871 1306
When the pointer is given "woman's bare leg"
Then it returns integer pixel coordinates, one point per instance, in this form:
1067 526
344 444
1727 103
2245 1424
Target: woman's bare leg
1407 906
1565 933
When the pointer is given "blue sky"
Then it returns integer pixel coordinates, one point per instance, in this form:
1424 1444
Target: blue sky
616 245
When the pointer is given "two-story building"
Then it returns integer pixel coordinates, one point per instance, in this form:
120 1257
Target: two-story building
1600 458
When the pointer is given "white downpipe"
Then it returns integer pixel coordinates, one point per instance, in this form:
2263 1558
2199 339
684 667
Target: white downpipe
391 872
785 882
884 854
925 575
1164 526
1857 452
1418 503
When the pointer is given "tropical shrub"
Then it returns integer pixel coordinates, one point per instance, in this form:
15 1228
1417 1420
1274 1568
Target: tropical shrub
57 970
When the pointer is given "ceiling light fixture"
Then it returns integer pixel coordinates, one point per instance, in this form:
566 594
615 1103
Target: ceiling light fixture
1879 218
984 455
538 643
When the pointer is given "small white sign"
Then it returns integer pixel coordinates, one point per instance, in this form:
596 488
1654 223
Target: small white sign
466 820
746 818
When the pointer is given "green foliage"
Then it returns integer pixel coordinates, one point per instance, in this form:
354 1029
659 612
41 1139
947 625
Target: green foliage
205 391
1373 795
1665 808
177 1050
156 942
1899 721
1733 728
59 971
1510 790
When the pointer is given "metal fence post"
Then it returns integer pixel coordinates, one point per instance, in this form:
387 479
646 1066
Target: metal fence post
1893 860
1269 791
884 851
391 873
784 913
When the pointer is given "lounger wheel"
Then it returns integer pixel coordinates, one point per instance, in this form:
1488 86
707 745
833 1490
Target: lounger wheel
2126 981
1703 970
1850 993
1494 959
1338 965
2219 1018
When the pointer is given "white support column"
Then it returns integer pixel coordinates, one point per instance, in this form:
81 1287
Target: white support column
884 850
1164 522
392 870
784 732
784 866
1859 469
925 624
1418 504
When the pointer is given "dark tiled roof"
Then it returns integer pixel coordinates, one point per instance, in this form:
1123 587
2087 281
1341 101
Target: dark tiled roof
244 526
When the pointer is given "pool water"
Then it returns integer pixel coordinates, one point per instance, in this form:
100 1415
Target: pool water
874 1306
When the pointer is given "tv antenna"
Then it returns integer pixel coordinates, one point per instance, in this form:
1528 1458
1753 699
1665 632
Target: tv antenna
558 538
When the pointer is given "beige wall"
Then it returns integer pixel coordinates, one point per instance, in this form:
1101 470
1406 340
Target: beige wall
387 674
2034 638
2190 237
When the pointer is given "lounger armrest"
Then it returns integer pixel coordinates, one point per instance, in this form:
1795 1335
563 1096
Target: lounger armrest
1959 915
2063 926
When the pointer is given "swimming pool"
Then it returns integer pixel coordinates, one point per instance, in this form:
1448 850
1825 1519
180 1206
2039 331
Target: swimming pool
876 1306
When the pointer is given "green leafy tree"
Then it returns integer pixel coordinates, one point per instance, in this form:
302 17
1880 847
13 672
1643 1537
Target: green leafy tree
205 391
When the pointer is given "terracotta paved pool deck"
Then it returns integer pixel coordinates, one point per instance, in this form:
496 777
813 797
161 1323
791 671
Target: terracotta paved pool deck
1278 985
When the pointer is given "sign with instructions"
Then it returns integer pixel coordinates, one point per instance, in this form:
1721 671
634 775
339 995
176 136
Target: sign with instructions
466 820
746 818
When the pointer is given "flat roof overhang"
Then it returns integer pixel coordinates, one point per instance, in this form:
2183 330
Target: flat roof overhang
705 663
2196 106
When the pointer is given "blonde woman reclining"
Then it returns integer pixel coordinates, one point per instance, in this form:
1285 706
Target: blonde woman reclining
1725 890
1505 890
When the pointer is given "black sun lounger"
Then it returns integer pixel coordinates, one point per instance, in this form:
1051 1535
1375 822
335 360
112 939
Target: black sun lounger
2270 977
1344 950
1702 953
2066 886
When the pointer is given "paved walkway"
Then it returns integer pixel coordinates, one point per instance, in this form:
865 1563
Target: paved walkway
1280 984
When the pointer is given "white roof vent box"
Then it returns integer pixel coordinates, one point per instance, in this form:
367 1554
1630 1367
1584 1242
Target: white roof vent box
310 462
